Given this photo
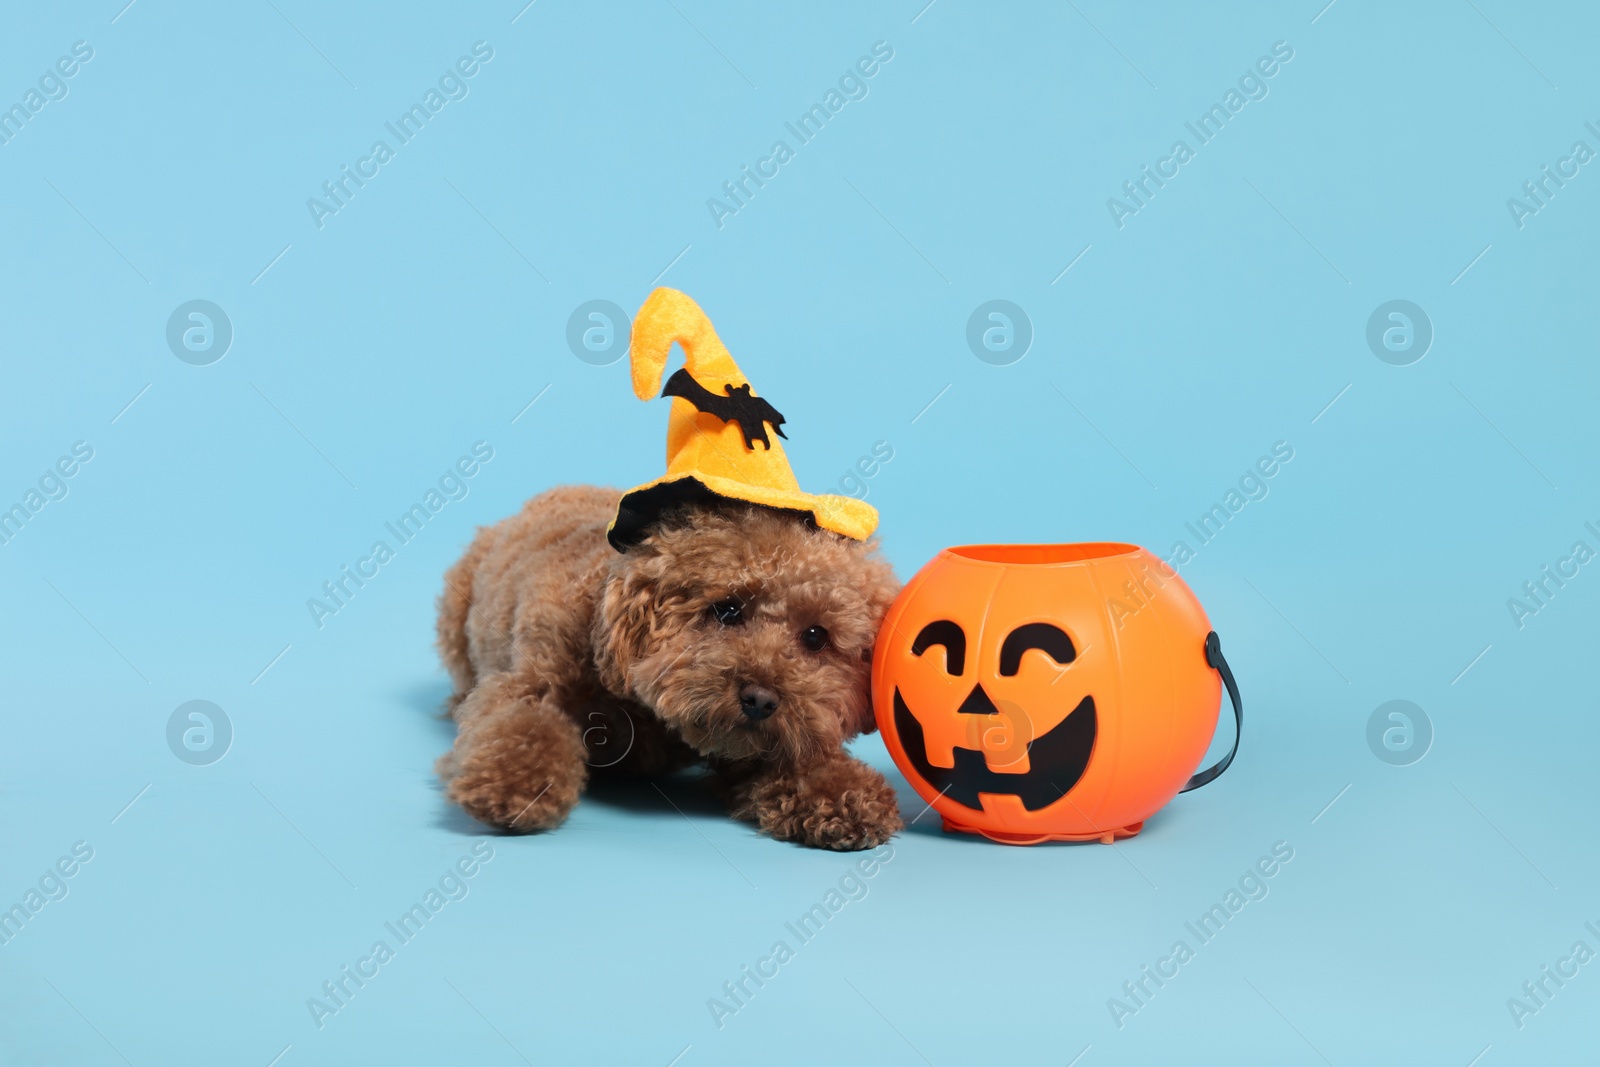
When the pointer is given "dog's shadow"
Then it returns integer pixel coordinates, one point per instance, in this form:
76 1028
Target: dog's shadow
687 793
430 701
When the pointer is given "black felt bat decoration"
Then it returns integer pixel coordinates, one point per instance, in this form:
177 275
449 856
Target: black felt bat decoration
752 413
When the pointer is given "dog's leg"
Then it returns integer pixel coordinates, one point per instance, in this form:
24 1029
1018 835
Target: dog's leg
627 740
837 802
518 760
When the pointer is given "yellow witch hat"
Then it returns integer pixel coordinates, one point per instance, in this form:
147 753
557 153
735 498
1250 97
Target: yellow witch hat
718 446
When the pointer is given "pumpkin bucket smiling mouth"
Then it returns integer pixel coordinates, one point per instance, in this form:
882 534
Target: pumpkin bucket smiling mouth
1049 692
1056 760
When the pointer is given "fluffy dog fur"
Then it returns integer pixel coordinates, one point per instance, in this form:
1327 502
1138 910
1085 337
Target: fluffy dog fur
568 656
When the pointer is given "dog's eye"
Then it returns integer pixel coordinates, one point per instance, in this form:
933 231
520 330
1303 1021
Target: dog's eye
728 612
815 638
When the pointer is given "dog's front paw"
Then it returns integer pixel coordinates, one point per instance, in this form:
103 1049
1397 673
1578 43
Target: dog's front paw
517 763
518 802
841 804
855 820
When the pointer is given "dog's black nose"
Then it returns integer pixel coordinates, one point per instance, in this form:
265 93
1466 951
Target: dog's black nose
757 702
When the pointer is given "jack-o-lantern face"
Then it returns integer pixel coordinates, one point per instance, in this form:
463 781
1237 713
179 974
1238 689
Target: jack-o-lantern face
1034 692
1038 768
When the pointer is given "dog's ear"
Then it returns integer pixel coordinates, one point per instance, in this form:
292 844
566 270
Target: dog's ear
867 720
881 587
622 626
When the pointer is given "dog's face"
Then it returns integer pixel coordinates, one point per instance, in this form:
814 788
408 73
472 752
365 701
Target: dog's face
746 630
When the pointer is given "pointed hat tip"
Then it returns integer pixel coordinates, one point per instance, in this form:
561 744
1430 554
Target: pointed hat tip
669 316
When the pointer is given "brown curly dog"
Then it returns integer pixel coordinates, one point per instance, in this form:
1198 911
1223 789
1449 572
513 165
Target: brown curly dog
733 635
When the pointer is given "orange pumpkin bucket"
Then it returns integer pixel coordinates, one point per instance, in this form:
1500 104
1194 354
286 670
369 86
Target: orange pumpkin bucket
1049 692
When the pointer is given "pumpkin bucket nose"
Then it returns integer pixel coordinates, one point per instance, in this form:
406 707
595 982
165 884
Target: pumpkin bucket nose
977 703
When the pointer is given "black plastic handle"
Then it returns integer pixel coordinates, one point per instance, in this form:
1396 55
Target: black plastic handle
1216 662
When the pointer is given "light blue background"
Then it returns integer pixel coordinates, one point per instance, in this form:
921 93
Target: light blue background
1224 317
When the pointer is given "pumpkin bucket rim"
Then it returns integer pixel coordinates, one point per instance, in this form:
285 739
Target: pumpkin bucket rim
1058 554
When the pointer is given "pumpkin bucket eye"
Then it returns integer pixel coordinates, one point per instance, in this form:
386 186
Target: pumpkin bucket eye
728 612
815 638
948 634
1051 640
